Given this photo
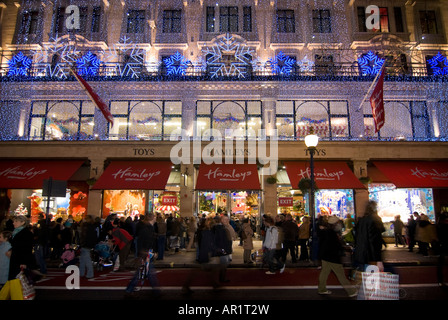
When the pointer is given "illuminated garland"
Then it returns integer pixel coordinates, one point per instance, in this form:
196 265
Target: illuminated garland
19 65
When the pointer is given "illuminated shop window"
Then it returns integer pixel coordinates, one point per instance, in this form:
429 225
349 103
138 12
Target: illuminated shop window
407 120
145 120
329 119
238 119
61 120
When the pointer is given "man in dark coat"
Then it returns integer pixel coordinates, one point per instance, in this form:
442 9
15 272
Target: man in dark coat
369 239
331 252
290 237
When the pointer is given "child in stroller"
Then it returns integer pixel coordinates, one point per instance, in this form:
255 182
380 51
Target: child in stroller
103 254
69 256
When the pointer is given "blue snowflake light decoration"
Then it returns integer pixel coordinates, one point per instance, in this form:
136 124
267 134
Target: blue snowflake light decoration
370 64
88 64
19 65
176 64
439 65
282 64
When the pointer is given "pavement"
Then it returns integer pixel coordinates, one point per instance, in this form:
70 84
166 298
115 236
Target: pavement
397 256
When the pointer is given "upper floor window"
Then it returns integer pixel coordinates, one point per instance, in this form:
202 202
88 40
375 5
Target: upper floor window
285 21
89 21
329 119
135 21
398 15
384 19
321 21
228 19
59 21
61 120
172 21
428 22
29 22
96 19
210 19
247 19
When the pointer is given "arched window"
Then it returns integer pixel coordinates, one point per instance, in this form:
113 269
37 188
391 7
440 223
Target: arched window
404 120
237 119
145 120
62 120
329 119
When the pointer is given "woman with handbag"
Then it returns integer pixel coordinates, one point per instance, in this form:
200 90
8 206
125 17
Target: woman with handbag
21 253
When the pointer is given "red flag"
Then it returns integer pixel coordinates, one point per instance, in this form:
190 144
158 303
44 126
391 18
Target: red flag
377 103
95 98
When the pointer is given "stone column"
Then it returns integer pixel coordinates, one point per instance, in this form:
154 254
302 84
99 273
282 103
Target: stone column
95 200
361 195
187 190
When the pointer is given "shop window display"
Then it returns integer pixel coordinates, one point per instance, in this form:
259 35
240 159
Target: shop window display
394 201
335 202
235 203
31 203
124 202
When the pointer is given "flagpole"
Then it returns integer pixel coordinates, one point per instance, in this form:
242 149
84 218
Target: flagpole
371 86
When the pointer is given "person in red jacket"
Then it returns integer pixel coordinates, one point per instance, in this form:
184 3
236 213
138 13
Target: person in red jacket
123 240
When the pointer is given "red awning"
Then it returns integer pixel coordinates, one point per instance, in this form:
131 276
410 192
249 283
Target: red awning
228 177
415 174
327 174
135 175
30 174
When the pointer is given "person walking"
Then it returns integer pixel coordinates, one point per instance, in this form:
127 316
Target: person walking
291 235
88 239
123 240
410 233
304 236
192 227
21 252
248 245
331 252
369 239
270 247
160 228
398 231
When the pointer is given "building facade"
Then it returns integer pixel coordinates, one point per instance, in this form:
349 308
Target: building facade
241 82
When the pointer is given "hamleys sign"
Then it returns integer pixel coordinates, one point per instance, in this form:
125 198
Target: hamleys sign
20 173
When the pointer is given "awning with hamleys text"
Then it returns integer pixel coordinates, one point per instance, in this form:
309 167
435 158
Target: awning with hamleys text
30 174
134 175
228 177
415 174
327 174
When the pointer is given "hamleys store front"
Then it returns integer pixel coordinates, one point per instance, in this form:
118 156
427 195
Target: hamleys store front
103 177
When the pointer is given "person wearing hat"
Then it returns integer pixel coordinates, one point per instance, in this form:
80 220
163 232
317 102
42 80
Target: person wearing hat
331 251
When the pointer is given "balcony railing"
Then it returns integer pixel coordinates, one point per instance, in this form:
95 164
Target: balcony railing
154 71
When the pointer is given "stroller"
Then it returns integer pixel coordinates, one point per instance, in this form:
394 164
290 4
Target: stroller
103 255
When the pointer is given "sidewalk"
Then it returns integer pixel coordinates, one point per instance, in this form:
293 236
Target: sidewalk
392 256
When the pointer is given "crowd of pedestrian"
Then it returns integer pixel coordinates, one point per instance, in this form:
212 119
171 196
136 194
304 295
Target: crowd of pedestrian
211 238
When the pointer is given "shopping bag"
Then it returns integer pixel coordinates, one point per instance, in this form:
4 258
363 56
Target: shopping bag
12 290
28 291
379 286
117 264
